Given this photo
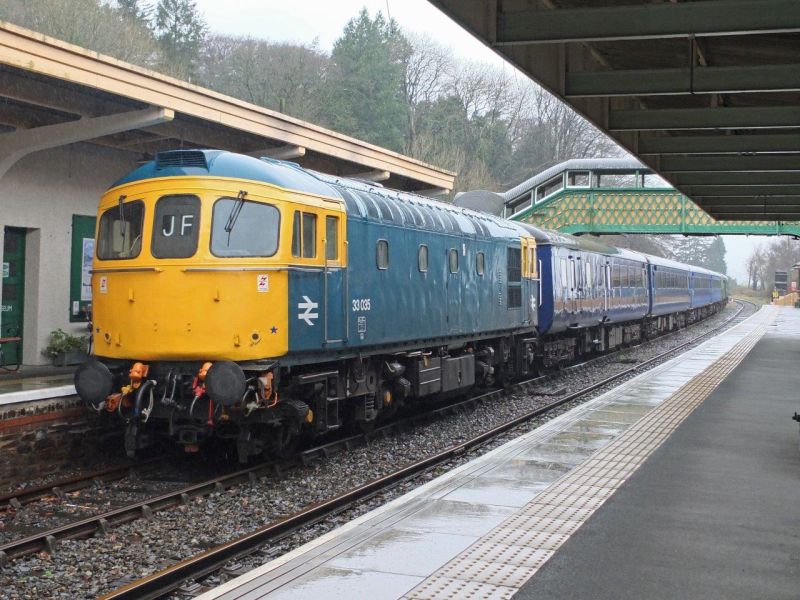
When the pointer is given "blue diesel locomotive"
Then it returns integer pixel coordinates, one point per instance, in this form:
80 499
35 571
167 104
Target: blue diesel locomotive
259 301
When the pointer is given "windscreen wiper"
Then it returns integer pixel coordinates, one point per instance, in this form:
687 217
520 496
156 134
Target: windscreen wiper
122 222
234 214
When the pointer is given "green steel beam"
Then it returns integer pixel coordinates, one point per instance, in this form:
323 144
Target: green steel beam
714 209
748 117
711 17
719 144
724 216
755 200
701 80
751 191
777 162
716 178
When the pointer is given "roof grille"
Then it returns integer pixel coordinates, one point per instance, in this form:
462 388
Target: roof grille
181 158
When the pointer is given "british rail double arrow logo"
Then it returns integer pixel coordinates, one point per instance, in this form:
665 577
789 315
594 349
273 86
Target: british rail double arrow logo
307 307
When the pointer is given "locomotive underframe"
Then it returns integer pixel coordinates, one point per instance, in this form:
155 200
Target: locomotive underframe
310 399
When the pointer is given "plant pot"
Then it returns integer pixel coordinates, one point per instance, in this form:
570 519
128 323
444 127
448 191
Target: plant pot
73 357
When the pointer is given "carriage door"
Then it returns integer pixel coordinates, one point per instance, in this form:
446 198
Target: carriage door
572 302
529 280
336 315
13 292
580 285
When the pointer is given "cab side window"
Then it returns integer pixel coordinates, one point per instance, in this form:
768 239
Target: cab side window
331 238
304 235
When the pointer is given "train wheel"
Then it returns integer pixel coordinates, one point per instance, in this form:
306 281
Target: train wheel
283 441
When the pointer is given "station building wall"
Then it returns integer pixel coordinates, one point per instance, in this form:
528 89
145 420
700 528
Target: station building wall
41 194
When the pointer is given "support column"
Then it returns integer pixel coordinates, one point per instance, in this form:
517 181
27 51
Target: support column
17 144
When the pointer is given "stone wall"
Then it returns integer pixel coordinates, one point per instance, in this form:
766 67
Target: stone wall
47 436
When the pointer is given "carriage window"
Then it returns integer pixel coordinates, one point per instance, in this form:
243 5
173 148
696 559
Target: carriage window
120 232
615 276
573 282
588 268
532 270
331 238
242 228
382 255
480 263
514 276
422 259
176 226
452 260
514 265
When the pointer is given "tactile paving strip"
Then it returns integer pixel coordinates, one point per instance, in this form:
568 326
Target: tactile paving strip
498 564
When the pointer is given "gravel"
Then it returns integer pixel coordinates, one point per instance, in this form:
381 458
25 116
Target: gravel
86 568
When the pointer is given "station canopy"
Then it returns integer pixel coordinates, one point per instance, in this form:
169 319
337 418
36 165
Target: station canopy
705 92
53 93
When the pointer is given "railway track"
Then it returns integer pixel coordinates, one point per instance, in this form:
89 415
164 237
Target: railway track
25 495
164 582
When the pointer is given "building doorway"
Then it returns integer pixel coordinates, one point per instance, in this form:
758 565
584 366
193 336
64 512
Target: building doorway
13 296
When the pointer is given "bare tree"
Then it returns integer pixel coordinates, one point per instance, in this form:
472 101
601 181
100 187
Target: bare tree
89 24
428 66
281 76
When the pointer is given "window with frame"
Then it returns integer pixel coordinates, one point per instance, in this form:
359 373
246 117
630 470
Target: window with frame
176 226
573 276
452 260
422 258
514 265
244 228
304 235
382 254
331 238
514 275
549 187
119 236
532 270
578 179
480 263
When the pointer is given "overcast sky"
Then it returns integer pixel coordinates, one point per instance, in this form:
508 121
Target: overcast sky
305 21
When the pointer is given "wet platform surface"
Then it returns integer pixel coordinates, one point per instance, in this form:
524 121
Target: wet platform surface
32 383
485 528
715 512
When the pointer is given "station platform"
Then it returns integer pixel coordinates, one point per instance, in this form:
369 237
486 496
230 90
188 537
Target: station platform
33 383
681 482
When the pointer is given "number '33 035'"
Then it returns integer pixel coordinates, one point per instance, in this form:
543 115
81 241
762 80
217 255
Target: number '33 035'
361 304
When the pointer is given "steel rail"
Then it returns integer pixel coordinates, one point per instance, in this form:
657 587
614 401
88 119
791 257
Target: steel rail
25 495
167 580
46 540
